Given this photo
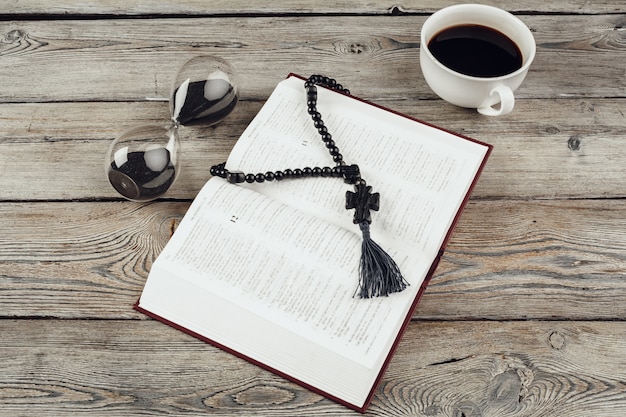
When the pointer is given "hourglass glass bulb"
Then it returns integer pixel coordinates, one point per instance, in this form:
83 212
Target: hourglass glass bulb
204 91
143 162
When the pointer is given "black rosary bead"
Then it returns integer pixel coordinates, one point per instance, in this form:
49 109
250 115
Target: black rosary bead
311 90
215 169
235 177
350 173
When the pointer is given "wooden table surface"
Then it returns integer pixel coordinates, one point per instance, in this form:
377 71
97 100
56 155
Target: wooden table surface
526 314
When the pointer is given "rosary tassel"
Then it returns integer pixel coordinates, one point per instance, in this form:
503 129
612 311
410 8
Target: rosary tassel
379 275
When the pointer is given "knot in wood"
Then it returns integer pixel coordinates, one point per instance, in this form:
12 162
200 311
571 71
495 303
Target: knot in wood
511 381
467 409
557 340
574 143
357 48
14 36
263 396
397 10
360 47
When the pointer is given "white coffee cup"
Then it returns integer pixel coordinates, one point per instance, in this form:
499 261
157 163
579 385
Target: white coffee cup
482 93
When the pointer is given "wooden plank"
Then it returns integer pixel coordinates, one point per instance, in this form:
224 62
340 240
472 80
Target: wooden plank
58 257
217 7
532 259
525 316
544 149
130 59
59 151
507 260
120 368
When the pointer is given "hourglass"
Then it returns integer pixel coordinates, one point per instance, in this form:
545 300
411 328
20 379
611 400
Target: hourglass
143 162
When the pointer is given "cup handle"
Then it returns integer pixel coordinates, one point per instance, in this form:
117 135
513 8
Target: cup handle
507 101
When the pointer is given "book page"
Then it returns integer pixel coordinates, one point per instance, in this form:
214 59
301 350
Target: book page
422 173
286 266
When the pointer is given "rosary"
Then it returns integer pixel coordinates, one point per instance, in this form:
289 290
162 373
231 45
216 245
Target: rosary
379 275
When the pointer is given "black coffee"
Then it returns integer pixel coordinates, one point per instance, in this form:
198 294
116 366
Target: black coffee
144 175
207 102
476 50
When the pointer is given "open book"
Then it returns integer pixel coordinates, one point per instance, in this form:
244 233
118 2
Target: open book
268 271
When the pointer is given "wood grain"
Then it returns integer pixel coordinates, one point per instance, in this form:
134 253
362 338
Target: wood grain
219 7
126 59
121 368
516 258
525 316
557 148
507 260
59 257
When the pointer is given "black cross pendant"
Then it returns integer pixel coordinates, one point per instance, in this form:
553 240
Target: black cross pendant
362 200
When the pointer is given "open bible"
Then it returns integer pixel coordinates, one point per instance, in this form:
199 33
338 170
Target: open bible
268 271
